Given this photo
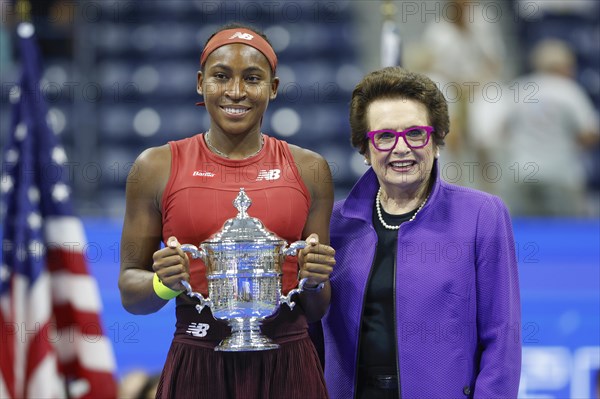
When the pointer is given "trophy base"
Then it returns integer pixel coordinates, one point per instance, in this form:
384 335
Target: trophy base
245 337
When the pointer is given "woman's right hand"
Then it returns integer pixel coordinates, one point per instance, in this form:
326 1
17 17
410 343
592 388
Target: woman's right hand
171 265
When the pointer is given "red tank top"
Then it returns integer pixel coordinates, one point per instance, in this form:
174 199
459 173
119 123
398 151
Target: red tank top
199 196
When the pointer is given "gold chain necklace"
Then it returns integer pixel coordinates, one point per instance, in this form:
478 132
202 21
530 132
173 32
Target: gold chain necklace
220 153
389 226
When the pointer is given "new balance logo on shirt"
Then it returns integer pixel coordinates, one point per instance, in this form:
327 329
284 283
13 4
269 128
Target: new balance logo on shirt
271 174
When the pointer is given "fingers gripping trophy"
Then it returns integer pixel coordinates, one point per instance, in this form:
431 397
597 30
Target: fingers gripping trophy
243 267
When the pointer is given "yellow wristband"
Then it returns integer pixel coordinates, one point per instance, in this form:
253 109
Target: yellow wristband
162 290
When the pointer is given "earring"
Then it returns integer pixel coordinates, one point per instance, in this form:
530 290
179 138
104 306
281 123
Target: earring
366 161
437 153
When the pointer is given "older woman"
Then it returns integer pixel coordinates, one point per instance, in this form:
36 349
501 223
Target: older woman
425 295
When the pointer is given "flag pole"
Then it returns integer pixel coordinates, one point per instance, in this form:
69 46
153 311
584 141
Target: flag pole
388 10
390 35
23 9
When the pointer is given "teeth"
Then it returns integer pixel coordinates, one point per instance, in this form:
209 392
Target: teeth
402 163
237 111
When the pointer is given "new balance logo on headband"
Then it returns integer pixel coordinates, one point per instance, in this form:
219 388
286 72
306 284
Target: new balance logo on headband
245 36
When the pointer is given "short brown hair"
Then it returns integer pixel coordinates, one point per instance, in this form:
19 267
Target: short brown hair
392 83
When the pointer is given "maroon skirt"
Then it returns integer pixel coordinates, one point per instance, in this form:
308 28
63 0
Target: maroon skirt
194 370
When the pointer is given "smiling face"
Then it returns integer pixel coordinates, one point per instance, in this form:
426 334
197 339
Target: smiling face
402 169
237 86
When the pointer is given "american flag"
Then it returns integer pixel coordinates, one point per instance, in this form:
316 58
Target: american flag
51 337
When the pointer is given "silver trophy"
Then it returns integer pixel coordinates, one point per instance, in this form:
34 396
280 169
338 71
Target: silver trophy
243 268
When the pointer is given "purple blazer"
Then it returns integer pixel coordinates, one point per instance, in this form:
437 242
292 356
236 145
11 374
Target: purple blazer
457 303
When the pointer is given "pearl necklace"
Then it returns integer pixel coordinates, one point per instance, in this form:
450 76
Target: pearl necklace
216 151
389 226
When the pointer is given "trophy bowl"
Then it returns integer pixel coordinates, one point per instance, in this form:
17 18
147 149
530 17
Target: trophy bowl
243 268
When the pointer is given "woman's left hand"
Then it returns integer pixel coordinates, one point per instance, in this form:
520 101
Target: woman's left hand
315 261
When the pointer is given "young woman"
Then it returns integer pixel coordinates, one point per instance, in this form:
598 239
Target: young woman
182 192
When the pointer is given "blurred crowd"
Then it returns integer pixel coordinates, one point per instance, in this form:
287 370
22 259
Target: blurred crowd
522 79
522 125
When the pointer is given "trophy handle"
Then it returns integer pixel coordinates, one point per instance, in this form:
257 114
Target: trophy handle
196 253
288 298
203 301
294 247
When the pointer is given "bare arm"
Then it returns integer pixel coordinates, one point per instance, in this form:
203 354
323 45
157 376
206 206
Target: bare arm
141 255
316 261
